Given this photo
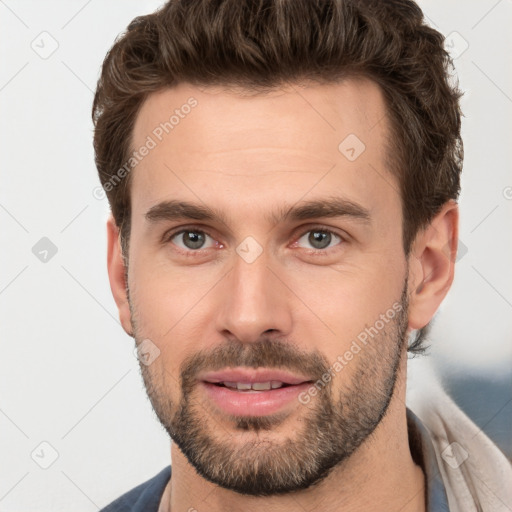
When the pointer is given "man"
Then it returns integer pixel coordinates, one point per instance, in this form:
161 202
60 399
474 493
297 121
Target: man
283 178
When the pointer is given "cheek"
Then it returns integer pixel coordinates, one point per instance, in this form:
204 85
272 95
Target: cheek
170 307
163 293
353 324
340 303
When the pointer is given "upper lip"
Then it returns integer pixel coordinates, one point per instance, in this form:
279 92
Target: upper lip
251 375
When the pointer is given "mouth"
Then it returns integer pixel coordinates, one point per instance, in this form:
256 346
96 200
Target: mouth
252 386
254 375
253 392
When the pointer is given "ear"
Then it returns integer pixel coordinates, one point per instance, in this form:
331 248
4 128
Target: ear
432 265
116 275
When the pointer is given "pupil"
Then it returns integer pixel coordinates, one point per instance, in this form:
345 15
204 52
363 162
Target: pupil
194 240
324 239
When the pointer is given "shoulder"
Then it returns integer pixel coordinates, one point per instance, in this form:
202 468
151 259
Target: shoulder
145 497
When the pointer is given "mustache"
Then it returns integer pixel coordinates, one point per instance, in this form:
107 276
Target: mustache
267 352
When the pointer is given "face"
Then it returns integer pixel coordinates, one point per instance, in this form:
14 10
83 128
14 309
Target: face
267 277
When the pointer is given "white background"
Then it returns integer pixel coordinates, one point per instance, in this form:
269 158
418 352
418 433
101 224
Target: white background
67 371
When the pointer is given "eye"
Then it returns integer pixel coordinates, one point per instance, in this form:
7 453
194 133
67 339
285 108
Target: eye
319 238
190 240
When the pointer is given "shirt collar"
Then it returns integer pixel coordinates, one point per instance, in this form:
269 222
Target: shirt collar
423 454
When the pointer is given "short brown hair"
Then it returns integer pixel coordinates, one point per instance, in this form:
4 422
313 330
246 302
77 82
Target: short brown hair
263 44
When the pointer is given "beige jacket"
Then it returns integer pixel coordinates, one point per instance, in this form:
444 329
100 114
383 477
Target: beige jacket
476 474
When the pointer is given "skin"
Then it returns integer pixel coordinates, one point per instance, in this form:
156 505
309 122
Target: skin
247 155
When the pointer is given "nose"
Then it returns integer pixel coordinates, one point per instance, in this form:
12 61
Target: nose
253 301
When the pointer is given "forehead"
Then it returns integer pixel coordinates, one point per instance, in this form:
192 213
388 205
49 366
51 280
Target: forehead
215 144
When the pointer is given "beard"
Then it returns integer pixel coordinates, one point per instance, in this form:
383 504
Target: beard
249 460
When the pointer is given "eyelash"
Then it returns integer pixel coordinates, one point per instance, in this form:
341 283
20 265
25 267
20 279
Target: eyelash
199 252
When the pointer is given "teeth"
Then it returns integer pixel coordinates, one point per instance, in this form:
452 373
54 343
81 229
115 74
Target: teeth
260 386
256 386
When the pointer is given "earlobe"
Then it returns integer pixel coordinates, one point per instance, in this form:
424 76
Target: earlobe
116 274
432 265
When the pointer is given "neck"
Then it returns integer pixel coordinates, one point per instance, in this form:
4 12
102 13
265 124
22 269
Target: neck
380 472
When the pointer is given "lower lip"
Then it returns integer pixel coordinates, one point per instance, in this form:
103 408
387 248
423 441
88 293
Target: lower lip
253 403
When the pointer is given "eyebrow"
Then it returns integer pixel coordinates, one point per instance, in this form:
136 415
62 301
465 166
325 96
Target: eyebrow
329 207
